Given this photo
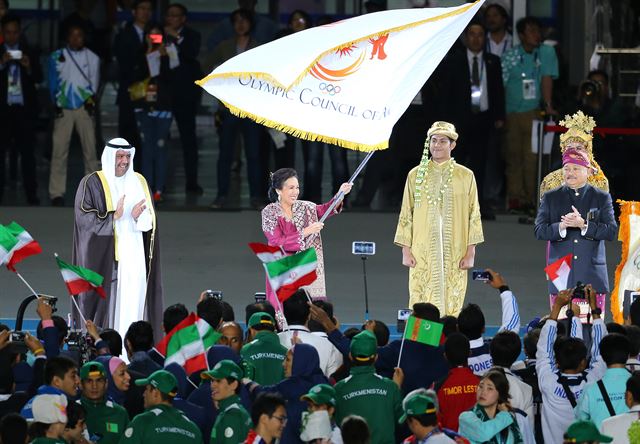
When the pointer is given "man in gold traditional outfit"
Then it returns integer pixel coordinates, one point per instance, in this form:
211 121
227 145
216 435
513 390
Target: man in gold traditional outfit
579 136
439 224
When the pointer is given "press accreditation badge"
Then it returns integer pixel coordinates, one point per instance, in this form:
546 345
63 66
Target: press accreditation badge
476 93
528 89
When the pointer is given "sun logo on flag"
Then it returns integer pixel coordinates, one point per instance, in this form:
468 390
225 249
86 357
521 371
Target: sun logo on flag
293 275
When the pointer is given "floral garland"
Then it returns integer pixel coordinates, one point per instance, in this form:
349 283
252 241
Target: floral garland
420 179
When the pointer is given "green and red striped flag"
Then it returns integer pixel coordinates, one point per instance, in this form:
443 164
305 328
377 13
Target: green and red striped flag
421 330
187 344
25 247
288 274
7 243
80 279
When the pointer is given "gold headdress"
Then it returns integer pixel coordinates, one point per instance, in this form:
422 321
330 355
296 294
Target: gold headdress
579 129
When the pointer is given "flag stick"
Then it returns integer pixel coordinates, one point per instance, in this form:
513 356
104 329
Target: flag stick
340 195
78 308
27 284
402 344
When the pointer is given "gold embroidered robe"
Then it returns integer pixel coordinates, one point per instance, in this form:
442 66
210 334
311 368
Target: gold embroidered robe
439 233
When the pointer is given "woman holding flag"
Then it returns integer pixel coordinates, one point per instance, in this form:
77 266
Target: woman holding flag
292 224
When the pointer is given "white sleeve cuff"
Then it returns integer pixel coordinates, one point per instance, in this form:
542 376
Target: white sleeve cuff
562 232
584 230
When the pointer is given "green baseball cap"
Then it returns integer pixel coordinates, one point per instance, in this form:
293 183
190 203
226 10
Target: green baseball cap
321 394
364 345
585 431
92 368
418 404
224 369
261 318
162 380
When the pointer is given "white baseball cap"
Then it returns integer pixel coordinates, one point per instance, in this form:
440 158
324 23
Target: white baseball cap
50 409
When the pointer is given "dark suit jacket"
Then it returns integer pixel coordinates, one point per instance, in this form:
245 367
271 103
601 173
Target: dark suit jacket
588 263
129 52
457 83
28 77
182 78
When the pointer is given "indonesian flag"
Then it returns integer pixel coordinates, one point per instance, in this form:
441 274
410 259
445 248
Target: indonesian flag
345 83
627 272
7 243
558 272
80 280
25 247
288 274
266 253
187 343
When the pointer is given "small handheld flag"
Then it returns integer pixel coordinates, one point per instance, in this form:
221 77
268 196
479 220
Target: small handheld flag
558 272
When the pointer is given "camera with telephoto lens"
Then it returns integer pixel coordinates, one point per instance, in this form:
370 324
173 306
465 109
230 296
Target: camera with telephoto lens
79 345
579 292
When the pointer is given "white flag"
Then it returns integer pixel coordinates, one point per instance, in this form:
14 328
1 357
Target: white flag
345 83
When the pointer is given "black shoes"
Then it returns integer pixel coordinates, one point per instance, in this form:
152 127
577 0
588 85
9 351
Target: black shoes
57 202
194 190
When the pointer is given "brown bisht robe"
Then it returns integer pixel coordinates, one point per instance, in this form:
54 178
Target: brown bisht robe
94 248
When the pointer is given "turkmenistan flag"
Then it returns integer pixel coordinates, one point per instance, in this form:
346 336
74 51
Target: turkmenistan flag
80 280
421 330
7 242
25 247
188 342
288 274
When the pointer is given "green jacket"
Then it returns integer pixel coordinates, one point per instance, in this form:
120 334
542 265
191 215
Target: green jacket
232 424
106 420
265 356
161 424
375 398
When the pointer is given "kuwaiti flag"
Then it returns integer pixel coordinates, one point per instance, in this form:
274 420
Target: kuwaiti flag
559 271
80 280
266 253
25 247
288 274
188 342
628 270
345 83
7 243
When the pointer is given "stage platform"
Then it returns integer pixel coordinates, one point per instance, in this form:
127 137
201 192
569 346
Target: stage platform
208 250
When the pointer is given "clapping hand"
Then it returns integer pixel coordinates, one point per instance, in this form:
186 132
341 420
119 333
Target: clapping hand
573 219
119 209
137 209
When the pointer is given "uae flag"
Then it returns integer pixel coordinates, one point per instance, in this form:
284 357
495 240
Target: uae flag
187 344
80 280
266 253
7 243
25 247
558 272
421 330
288 274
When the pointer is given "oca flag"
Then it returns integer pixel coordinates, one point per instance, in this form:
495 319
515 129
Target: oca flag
345 83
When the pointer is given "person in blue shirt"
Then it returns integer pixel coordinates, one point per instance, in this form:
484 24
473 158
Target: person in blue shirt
528 71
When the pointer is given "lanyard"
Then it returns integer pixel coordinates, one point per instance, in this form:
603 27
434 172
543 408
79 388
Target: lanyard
432 432
536 63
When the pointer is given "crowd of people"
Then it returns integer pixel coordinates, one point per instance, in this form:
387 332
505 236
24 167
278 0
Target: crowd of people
488 86
313 382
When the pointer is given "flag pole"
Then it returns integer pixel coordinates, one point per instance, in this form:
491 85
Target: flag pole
78 308
27 284
340 194
402 343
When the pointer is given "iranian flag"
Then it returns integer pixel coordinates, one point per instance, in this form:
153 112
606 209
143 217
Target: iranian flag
80 279
7 243
266 253
187 344
558 272
288 274
25 247
424 331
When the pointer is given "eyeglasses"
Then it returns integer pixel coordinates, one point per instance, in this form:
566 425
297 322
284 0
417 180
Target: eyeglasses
282 419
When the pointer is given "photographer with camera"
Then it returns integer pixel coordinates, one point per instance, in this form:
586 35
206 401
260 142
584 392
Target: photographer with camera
74 76
561 364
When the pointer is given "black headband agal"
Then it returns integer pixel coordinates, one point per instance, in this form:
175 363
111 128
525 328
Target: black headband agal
119 147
